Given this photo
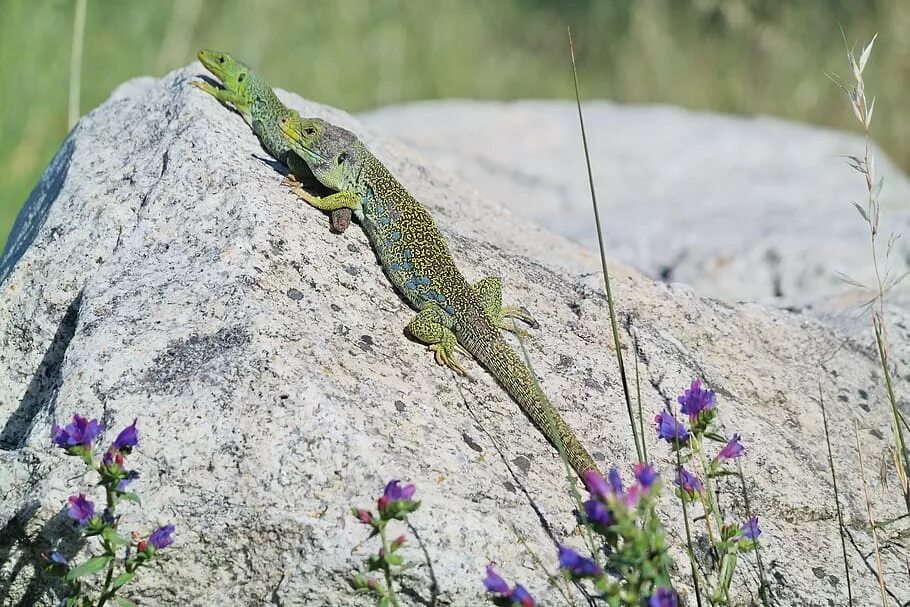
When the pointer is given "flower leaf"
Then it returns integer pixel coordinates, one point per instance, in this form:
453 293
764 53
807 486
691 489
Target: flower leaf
130 497
122 579
113 537
122 602
96 563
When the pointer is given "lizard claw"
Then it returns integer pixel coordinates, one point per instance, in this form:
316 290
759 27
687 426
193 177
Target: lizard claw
444 358
461 350
295 187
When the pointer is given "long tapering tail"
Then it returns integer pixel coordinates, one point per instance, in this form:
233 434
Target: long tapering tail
515 377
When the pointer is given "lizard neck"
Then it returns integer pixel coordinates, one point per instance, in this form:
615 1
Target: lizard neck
265 112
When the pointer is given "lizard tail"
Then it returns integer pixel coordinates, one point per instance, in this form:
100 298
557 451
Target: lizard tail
515 377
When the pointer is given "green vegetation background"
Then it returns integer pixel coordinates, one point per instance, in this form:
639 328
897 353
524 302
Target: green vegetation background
741 56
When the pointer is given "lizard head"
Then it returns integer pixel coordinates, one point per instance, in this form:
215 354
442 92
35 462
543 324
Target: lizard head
235 76
330 151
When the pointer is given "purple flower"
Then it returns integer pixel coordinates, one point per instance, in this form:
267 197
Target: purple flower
81 509
577 565
127 439
615 481
494 583
395 493
521 596
695 400
669 428
161 537
645 474
80 431
597 513
596 484
750 530
688 482
664 597
731 450
57 558
600 487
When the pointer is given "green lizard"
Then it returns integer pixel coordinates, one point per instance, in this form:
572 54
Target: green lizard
250 96
452 314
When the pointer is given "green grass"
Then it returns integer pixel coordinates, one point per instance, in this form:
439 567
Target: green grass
744 56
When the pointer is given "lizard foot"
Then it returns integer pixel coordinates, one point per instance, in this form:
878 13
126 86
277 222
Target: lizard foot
445 357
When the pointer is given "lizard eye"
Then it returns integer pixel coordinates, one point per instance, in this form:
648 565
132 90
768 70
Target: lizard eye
241 77
221 59
342 157
309 130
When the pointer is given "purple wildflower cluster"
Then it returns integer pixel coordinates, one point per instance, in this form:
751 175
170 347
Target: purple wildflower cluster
505 594
395 503
699 406
77 438
608 494
625 517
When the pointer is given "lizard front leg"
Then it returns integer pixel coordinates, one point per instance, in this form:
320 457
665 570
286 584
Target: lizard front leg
338 200
489 290
229 98
433 326
301 176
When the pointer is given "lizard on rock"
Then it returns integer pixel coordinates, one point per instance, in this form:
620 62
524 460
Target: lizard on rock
250 96
452 314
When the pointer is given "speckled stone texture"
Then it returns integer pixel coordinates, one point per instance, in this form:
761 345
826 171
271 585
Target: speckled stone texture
161 271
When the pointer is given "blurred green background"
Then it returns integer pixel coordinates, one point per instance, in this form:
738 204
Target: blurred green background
742 56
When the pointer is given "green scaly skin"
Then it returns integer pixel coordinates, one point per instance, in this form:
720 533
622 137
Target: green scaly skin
244 91
452 314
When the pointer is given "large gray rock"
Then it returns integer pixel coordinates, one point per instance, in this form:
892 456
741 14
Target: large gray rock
161 271
744 209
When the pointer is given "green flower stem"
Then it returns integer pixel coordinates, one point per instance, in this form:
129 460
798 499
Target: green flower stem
728 564
708 493
106 592
386 568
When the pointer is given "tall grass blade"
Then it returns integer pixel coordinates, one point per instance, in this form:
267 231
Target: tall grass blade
878 556
603 260
76 62
840 516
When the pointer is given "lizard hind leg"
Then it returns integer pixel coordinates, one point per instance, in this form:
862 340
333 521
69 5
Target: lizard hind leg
433 326
489 290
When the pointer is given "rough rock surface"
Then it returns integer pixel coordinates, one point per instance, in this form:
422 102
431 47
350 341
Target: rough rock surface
168 275
744 209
